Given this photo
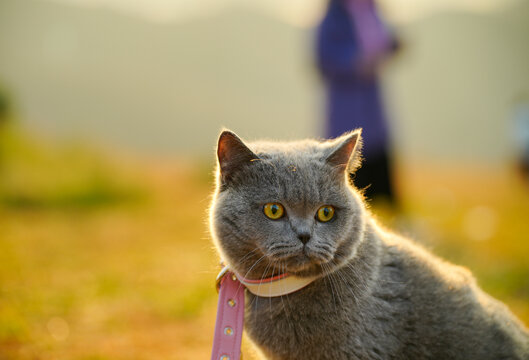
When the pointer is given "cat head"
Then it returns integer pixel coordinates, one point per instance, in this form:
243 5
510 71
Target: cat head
286 207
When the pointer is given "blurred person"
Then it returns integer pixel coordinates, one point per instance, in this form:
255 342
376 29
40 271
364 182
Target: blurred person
351 44
520 119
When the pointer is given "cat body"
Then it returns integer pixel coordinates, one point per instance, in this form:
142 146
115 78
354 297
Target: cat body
376 296
406 304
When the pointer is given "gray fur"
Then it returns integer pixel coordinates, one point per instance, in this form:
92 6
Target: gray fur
379 296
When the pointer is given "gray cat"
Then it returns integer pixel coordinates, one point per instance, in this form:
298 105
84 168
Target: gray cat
289 207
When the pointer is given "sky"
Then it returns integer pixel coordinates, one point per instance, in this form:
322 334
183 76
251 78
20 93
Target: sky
303 13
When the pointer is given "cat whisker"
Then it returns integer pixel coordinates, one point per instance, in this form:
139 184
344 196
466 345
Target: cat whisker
254 264
248 254
287 313
263 275
245 275
345 282
357 280
270 299
288 310
255 299
336 276
331 283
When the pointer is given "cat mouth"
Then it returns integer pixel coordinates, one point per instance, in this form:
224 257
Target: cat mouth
317 256
304 260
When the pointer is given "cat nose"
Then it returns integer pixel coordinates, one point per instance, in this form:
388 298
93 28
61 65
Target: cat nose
304 237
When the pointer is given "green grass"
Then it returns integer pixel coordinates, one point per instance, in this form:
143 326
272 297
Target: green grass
35 175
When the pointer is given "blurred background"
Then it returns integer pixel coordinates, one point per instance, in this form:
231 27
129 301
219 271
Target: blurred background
109 113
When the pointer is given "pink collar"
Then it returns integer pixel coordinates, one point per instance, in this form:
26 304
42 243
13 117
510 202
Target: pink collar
230 307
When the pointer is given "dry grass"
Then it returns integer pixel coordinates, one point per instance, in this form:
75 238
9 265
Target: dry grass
133 278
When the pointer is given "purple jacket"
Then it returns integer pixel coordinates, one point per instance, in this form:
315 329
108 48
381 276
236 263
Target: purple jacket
354 98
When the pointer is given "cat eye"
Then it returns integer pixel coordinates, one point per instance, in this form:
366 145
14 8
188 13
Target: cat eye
325 213
274 211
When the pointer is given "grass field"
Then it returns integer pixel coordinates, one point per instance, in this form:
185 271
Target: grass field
103 257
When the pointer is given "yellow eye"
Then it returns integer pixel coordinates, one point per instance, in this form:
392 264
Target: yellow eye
325 213
274 211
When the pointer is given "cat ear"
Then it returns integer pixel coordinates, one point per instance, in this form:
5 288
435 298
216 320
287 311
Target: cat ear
345 151
232 154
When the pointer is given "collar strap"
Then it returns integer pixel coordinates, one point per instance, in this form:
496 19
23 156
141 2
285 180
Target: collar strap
276 286
230 309
230 318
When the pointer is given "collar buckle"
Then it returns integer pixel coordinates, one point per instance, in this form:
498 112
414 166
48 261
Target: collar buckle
220 276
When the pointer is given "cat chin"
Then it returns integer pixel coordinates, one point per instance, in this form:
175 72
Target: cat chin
309 268
318 269
315 269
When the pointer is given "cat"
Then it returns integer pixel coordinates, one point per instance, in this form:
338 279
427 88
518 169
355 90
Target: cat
290 207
